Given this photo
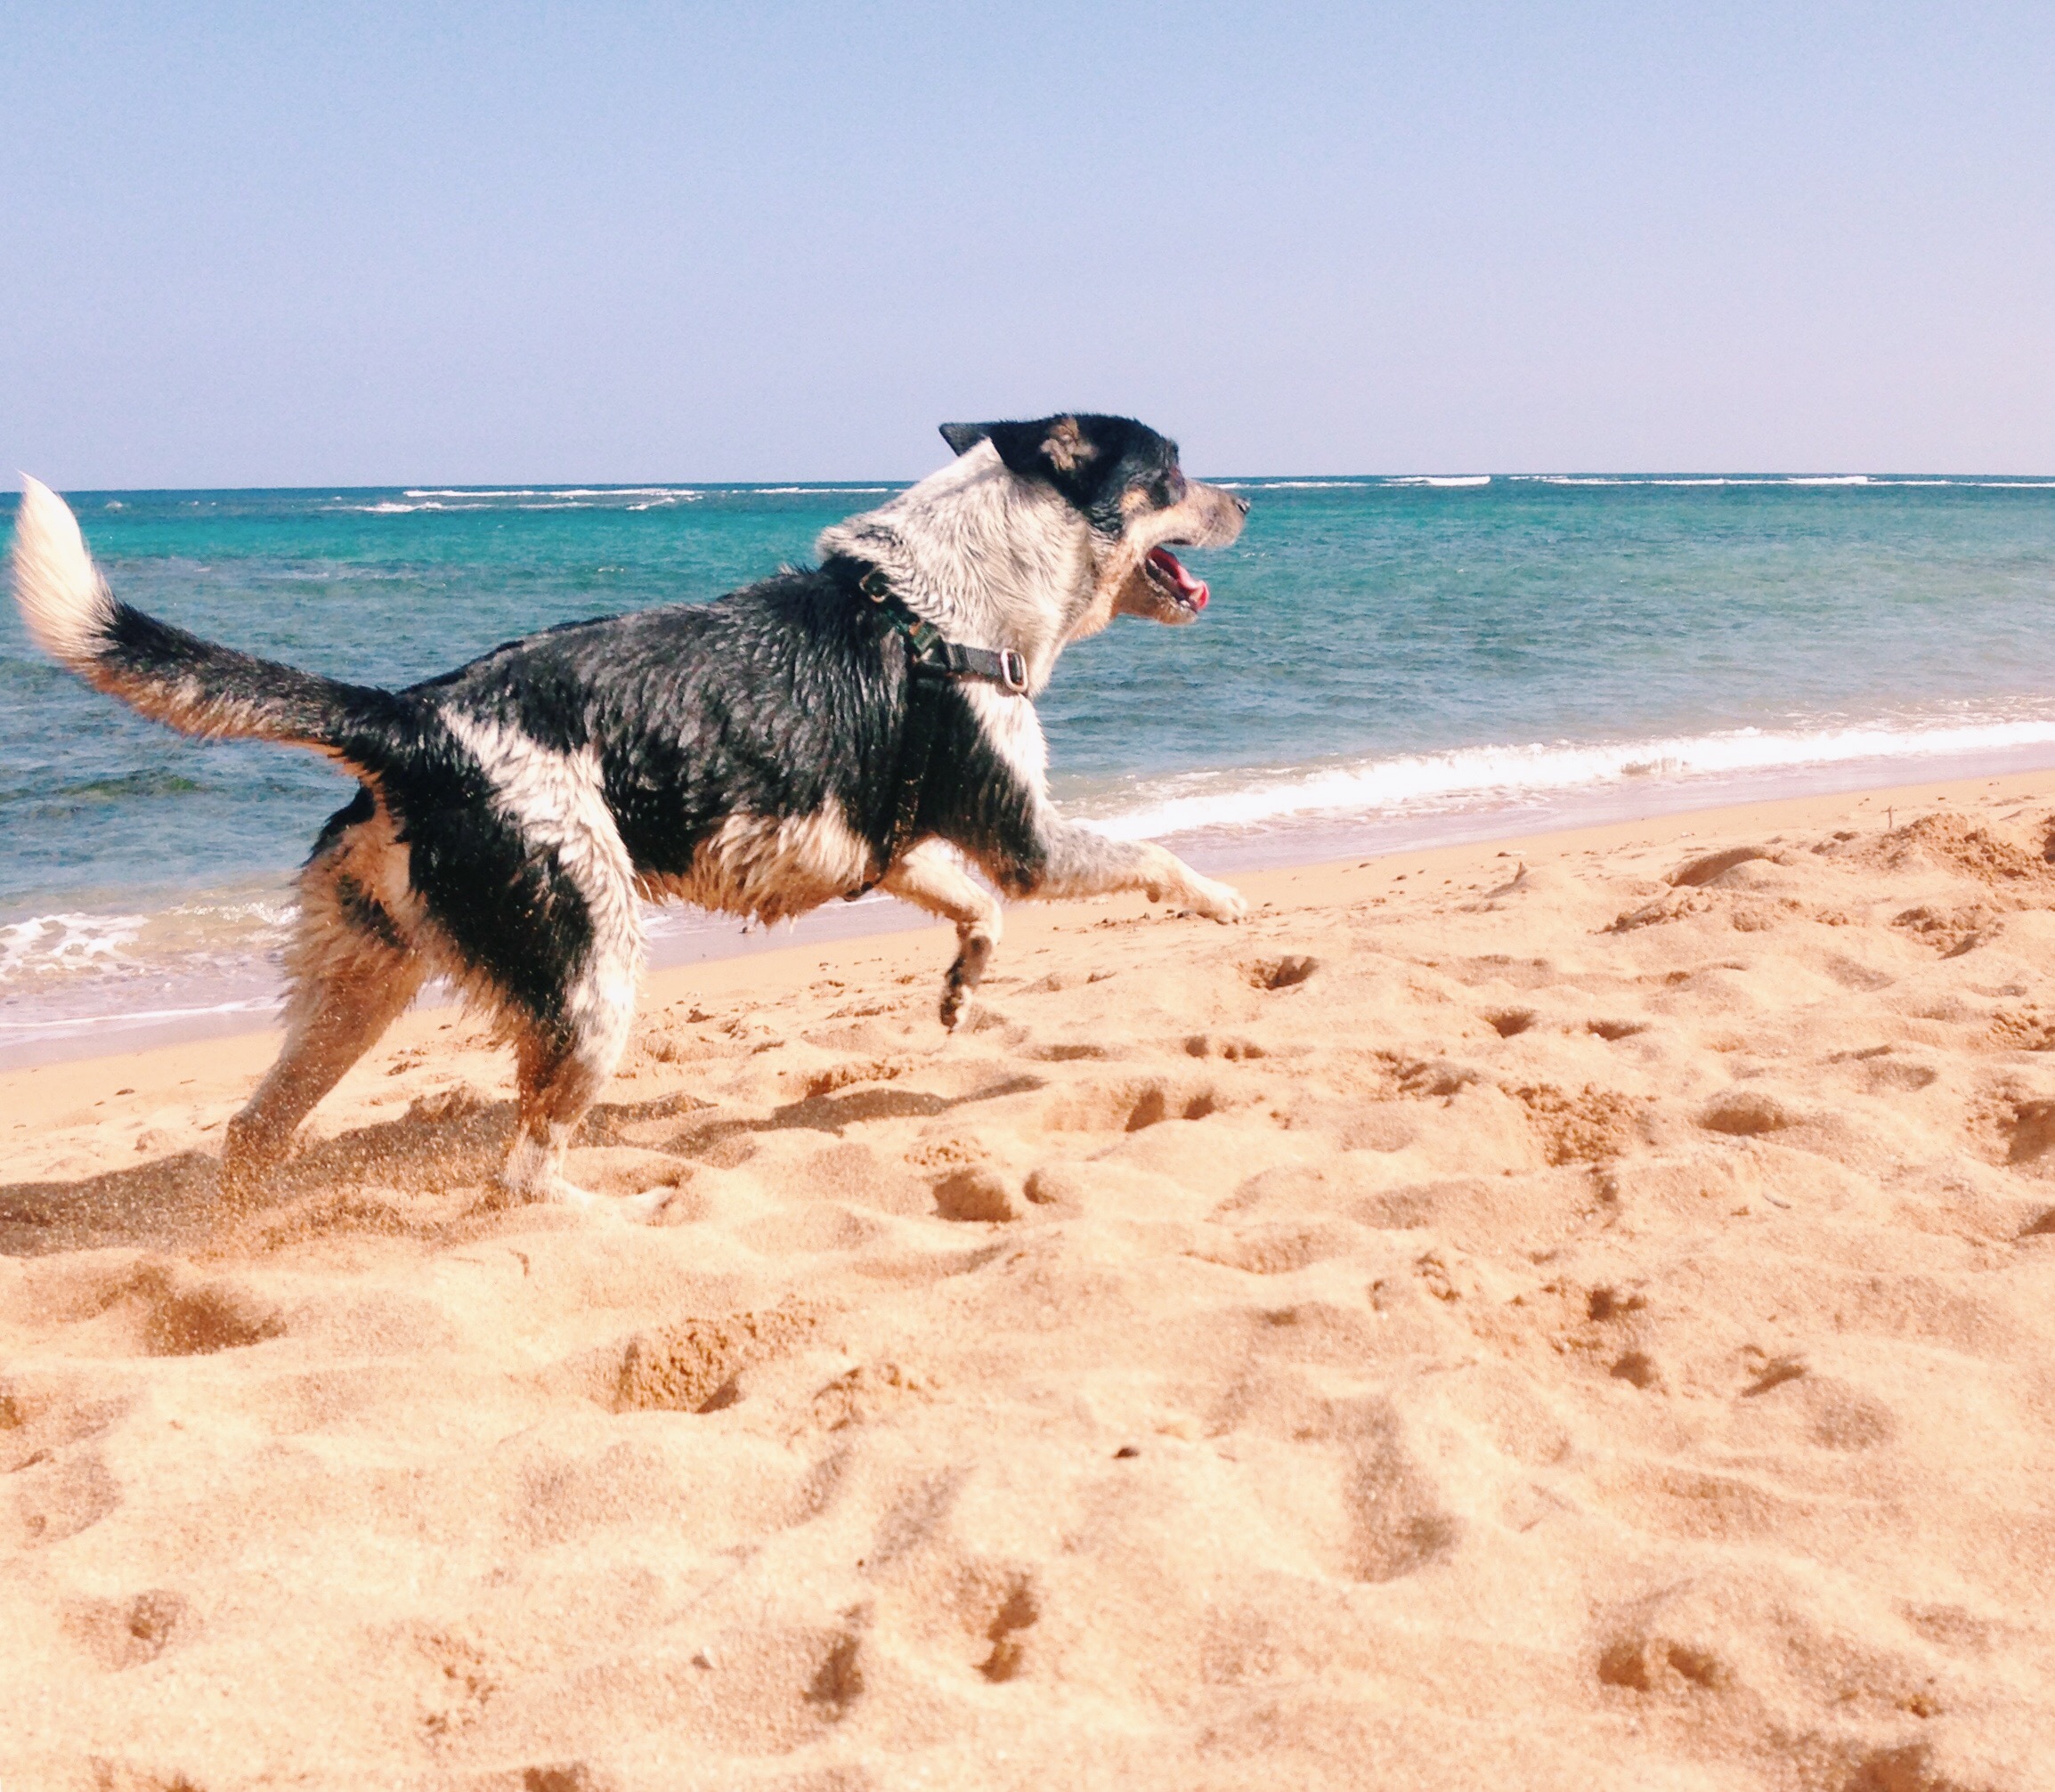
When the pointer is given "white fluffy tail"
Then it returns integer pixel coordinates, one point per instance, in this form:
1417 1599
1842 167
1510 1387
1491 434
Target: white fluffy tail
170 675
64 601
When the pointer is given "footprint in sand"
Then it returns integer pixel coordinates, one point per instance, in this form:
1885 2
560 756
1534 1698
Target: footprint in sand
1019 1611
978 1193
838 1683
60 1497
1611 1030
2032 1130
1280 973
685 1367
1129 1106
130 1633
1746 1114
573 1776
182 1317
1397 1526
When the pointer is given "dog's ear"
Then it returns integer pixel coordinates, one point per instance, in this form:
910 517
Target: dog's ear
1080 453
1052 447
1049 446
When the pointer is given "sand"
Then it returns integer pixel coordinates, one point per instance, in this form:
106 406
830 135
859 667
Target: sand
1566 1314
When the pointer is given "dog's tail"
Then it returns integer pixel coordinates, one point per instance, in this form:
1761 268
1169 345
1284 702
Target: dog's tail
168 674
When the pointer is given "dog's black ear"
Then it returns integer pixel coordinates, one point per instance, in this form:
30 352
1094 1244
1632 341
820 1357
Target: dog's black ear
1052 447
1081 453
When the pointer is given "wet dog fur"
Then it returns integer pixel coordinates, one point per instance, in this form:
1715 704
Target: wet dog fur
742 755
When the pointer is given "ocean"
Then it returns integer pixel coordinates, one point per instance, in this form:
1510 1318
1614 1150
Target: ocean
1388 663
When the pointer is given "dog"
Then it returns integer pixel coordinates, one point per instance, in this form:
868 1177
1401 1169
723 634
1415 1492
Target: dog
867 723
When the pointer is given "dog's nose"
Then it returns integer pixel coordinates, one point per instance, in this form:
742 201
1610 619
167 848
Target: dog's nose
1242 504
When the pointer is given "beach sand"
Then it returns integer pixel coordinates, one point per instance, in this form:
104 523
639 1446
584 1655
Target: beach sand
1576 1313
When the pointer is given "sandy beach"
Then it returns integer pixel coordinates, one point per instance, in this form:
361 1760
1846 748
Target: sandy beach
1563 1313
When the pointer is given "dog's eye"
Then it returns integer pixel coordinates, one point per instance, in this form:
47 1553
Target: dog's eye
1169 489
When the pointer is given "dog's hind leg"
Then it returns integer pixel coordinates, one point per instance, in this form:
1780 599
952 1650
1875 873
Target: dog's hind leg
557 1077
352 971
535 887
562 1062
930 877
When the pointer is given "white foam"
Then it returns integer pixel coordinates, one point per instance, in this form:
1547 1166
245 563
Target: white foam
1475 777
58 1025
48 943
216 935
1454 479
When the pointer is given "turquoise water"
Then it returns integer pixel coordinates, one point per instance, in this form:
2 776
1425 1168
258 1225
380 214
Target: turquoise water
1385 662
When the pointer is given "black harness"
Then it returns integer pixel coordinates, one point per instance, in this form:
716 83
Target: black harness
932 661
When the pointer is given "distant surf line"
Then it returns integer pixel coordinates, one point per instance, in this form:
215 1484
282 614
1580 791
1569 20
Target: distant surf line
569 492
1475 481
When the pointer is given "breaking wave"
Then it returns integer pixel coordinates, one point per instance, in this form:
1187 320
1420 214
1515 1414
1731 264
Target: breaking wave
1473 778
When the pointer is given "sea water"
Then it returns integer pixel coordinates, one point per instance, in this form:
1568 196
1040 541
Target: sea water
1387 662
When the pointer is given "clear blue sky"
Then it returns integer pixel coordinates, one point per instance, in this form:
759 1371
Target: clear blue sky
279 244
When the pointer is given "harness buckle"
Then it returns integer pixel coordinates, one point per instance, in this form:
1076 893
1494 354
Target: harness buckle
1012 671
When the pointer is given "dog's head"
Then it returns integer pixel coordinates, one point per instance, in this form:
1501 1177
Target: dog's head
1038 534
1123 480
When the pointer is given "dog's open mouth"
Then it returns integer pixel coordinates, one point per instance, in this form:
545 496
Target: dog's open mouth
1168 575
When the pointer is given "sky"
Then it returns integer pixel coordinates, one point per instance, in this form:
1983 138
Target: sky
286 246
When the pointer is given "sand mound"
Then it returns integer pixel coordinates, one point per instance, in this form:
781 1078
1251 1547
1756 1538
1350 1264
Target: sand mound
1580 1319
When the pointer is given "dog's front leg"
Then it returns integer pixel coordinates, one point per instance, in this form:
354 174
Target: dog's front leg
1077 862
930 877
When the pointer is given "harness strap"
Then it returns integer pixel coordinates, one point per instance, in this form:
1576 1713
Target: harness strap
932 661
916 750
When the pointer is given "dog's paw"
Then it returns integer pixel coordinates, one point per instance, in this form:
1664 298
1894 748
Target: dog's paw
250 1159
1216 901
652 1207
549 1190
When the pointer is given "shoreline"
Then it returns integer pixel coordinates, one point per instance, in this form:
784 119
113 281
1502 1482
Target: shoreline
682 936
905 938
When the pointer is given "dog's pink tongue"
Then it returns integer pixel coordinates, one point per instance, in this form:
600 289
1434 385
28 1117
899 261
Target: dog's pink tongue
1192 590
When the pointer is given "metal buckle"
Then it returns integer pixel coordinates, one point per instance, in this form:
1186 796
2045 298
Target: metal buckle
1012 670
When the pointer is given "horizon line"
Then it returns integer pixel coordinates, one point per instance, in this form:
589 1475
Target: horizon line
418 487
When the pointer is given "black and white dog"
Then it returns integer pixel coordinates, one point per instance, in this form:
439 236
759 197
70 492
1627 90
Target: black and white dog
866 724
